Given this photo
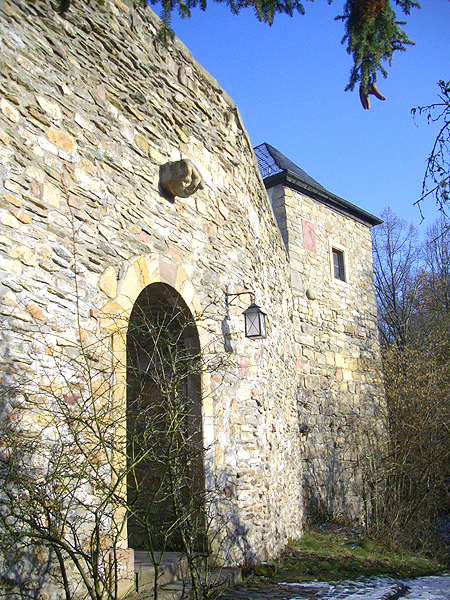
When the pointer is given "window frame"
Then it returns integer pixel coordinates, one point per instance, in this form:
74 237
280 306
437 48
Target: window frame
338 250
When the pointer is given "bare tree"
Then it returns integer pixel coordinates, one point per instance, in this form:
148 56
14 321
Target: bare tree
76 468
437 266
396 258
60 486
414 323
417 464
437 173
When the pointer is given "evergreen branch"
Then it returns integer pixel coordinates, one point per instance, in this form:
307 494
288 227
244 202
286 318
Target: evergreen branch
373 35
62 6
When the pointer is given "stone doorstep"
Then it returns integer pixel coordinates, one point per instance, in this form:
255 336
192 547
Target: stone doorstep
180 590
173 577
173 568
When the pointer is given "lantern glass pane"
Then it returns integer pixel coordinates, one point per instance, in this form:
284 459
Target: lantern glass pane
262 321
252 324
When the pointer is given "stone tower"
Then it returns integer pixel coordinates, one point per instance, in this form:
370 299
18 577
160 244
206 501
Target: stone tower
340 396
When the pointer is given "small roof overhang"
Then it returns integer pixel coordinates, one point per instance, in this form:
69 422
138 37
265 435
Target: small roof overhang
340 205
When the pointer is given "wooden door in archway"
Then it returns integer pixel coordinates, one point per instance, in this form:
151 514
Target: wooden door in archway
165 490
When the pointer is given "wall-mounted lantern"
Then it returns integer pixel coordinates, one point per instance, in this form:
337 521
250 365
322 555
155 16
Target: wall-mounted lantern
255 318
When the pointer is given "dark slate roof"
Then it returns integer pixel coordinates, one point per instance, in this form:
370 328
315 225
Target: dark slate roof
275 168
271 161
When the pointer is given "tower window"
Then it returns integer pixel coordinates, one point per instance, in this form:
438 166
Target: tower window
338 264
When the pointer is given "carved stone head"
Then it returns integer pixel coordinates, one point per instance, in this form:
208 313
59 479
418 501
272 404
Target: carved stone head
180 178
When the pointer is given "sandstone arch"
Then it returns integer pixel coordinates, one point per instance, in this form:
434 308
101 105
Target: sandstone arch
141 275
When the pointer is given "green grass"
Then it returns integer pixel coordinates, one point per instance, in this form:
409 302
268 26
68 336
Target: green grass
341 553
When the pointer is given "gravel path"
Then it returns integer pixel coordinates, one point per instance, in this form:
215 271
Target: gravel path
276 592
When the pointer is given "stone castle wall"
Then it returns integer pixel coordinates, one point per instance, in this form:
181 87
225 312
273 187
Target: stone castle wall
87 120
90 109
340 394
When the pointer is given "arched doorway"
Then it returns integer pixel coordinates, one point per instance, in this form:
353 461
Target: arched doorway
165 486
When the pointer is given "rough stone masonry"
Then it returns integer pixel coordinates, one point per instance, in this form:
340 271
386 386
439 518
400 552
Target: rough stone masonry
91 110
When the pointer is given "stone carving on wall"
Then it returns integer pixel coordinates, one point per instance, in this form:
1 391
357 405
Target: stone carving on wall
180 178
311 294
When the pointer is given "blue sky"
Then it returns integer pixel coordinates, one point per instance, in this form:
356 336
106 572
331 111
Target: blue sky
288 82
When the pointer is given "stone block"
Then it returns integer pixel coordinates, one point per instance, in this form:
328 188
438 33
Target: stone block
108 282
36 312
114 317
11 186
25 255
13 200
51 194
22 216
62 140
9 111
50 108
168 273
339 360
10 220
4 137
